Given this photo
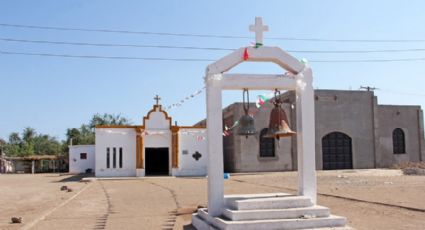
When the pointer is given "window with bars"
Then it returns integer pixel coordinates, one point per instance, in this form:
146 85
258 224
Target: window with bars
114 157
108 153
120 158
399 142
266 144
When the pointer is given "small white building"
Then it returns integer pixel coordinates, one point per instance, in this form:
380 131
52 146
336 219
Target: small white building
156 147
81 158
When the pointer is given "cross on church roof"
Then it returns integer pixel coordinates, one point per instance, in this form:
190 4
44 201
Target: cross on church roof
258 29
157 99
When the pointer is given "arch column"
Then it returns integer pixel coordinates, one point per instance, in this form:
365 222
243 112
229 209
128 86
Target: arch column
307 185
215 145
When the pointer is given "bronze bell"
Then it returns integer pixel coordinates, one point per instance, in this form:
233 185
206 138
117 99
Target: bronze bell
279 125
246 122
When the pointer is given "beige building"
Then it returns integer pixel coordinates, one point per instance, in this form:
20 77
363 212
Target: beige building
353 131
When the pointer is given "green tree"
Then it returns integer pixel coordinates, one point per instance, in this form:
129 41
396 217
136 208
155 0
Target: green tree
28 134
27 147
14 138
13 148
46 145
108 119
3 144
31 143
85 134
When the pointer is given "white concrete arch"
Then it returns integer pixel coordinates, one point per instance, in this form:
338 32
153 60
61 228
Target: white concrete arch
299 79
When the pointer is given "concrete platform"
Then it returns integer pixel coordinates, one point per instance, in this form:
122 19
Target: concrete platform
270 212
289 213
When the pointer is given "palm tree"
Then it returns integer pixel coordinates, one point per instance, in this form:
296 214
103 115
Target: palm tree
28 134
14 139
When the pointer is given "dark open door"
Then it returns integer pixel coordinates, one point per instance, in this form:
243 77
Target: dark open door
156 161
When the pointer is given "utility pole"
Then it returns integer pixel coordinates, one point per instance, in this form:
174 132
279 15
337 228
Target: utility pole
368 88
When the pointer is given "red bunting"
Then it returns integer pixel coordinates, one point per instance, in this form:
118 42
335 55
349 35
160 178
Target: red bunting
245 54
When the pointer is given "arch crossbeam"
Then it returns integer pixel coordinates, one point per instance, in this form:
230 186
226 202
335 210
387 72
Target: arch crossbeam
258 81
260 54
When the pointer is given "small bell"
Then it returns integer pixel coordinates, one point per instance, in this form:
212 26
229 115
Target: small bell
246 122
279 125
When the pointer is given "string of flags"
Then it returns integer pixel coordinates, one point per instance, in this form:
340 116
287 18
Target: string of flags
227 130
182 101
263 98
195 133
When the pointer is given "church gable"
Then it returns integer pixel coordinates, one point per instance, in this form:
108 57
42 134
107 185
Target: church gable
157 119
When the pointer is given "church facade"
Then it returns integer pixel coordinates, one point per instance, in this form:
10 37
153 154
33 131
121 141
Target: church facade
353 131
156 147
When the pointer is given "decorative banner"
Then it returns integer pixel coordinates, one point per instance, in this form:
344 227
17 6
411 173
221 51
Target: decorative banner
195 133
192 132
180 103
245 54
116 132
227 130
304 60
146 133
262 99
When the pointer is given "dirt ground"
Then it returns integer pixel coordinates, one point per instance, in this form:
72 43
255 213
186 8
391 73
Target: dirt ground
370 199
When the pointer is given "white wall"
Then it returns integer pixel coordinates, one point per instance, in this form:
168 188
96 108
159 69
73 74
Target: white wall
119 138
77 165
191 141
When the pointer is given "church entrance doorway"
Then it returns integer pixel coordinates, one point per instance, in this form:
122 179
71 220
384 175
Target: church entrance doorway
156 162
337 151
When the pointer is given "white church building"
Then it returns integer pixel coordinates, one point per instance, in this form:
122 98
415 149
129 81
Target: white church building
156 147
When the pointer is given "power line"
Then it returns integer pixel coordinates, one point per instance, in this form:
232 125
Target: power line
198 48
107 57
192 59
368 88
208 35
120 31
369 60
113 44
402 93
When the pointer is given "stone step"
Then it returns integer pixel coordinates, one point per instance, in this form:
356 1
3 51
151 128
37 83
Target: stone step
281 224
265 214
228 199
331 228
269 203
200 224
201 220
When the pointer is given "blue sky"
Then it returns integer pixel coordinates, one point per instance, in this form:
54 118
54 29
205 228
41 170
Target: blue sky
51 94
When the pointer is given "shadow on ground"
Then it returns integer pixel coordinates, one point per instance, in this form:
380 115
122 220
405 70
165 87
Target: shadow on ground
74 178
189 227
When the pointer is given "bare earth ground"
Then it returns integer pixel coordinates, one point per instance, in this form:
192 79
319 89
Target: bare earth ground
370 199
